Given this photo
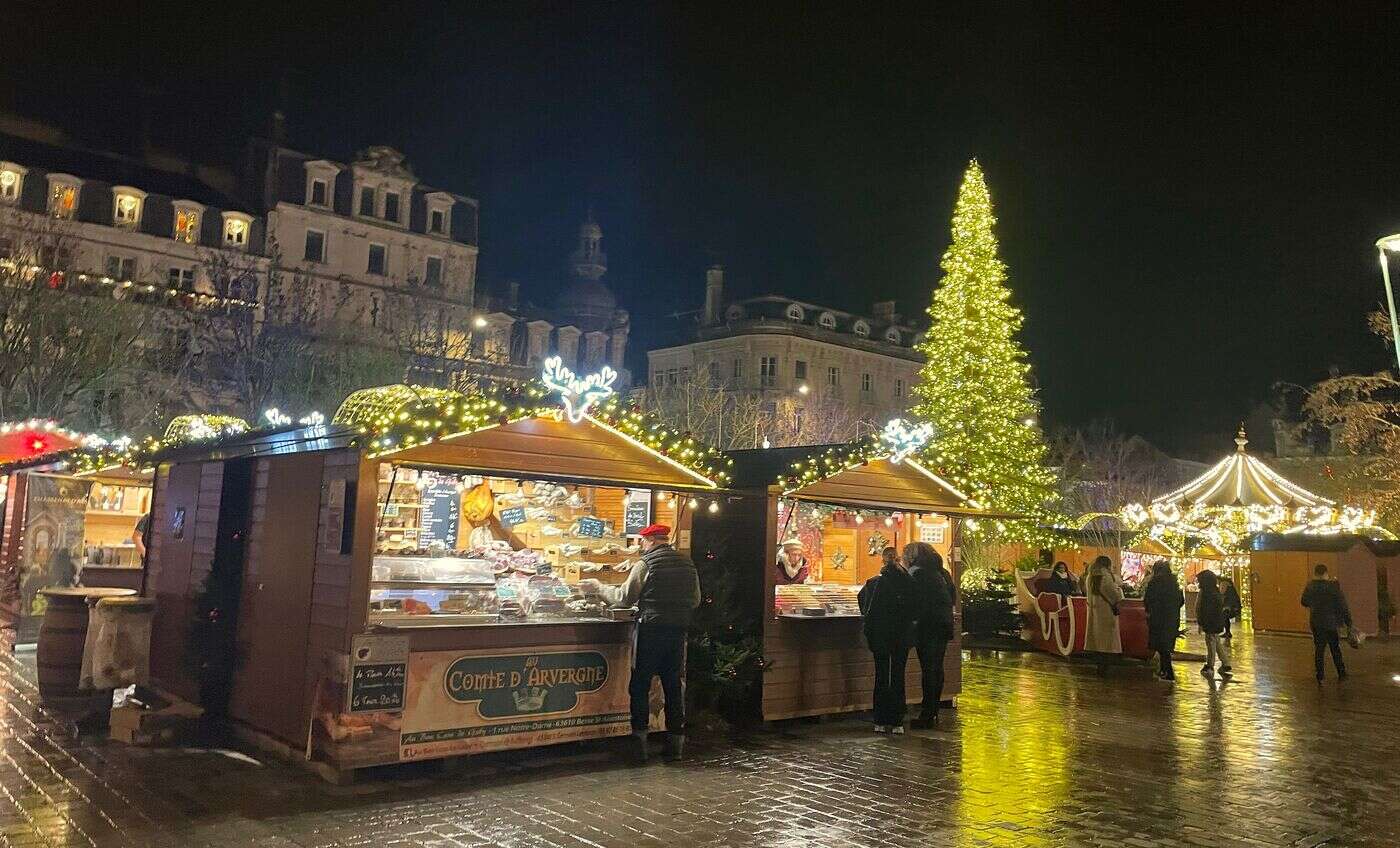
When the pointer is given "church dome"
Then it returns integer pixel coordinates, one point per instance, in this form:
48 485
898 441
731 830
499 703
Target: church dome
588 304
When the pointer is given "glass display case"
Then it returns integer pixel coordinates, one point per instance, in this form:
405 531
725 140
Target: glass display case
817 600
462 549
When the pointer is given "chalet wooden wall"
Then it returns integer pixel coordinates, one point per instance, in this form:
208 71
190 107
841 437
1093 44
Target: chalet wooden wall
178 563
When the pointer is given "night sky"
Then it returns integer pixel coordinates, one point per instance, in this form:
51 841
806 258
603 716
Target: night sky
1188 195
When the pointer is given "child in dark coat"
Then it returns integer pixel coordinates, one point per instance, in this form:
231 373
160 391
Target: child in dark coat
1210 617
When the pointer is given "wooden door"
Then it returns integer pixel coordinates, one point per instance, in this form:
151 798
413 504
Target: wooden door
274 615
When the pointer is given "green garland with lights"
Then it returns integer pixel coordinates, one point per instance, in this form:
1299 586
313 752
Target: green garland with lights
399 417
975 387
833 460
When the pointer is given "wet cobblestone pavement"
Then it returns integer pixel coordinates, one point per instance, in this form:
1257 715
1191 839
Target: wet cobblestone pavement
1040 753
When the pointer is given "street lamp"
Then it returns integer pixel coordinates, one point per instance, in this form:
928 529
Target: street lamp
1390 244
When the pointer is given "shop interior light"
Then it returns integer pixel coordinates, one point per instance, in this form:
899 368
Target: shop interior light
694 503
714 507
860 519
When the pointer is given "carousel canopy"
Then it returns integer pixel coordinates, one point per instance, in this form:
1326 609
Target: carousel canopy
1241 480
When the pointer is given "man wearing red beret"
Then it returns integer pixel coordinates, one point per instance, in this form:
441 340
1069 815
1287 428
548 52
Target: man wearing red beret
666 590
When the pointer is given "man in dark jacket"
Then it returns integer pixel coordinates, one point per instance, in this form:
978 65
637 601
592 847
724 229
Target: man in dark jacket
1327 612
887 606
666 590
934 630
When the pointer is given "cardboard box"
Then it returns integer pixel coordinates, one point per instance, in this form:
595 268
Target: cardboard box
137 725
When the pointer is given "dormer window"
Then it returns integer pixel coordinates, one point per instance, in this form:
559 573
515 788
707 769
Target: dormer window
439 204
188 217
236 227
827 321
794 312
861 329
126 206
320 182
892 335
391 206
63 195
11 181
367 201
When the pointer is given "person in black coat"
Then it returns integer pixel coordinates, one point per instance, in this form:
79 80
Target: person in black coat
1327 612
1059 582
887 602
1163 600
1233 605
934 628
1210 617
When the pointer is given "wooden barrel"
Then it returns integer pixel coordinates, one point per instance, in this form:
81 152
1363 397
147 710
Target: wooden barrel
61 638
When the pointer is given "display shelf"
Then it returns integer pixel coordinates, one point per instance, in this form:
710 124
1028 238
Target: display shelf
430 584
798 615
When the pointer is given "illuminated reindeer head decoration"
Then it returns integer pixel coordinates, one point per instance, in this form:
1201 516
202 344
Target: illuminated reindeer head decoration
902 439
579 394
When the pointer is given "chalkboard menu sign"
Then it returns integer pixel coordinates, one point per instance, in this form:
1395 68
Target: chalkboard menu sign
442 509
378 671
638 514
594 527
513 516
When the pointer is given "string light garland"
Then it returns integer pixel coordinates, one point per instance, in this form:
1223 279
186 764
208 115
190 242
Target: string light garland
974 388
130 286
398 417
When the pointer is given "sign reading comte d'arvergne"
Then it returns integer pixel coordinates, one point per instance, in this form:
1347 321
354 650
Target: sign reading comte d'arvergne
579 394
462 702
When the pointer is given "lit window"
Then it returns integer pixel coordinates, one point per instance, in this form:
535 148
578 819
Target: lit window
121 268
799 370
833 376
187 225
11 182
376 259
432 272
865 383
181 279
236 227
391 206
315 246
63 196
827 320
437 221
318 192
861 329
126 206
892 335
367 202
794 312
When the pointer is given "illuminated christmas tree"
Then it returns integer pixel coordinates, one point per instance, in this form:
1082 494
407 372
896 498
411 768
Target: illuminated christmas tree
974 387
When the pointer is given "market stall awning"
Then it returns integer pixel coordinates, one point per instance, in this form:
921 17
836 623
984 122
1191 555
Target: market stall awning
882 484
549 447
25 440
1241 480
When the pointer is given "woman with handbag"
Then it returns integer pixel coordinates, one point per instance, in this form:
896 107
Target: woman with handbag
1103 594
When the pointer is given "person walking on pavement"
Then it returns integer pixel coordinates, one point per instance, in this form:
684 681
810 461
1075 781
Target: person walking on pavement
665 589
1210 617
1233 605
887 604
1327 612
933 629
1163 600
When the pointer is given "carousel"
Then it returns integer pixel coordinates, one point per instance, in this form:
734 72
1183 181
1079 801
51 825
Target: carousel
1238 519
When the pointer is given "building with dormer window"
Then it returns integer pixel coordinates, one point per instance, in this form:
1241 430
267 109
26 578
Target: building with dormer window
793 350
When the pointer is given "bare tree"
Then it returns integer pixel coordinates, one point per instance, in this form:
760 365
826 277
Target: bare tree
1103 470
735 418
1363 413
68 342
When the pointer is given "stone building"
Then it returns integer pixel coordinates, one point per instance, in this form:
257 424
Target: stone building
798 353
584 325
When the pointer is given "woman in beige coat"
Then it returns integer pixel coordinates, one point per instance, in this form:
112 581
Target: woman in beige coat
1102 596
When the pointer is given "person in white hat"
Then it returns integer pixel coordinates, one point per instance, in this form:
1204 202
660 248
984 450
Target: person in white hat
792 562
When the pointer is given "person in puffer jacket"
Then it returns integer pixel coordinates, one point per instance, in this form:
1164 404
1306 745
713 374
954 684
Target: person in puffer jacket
665 589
